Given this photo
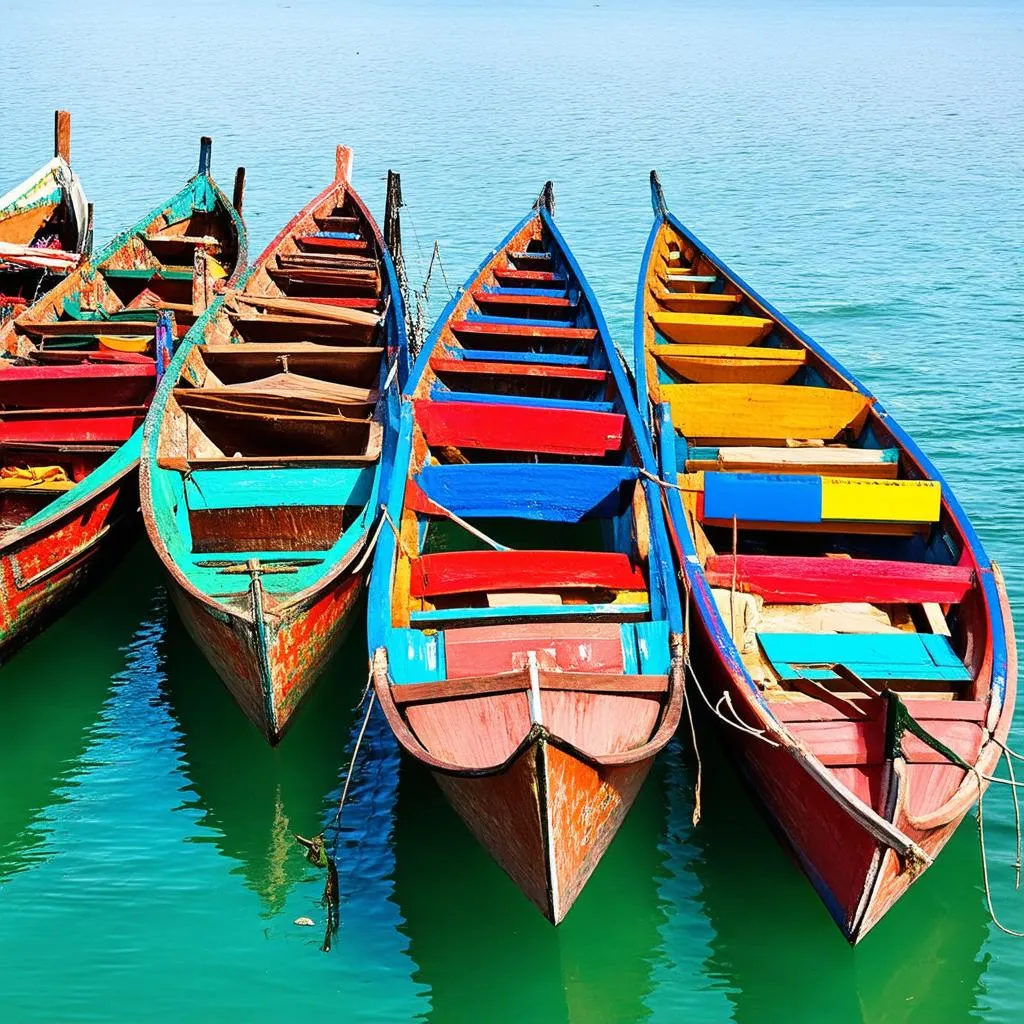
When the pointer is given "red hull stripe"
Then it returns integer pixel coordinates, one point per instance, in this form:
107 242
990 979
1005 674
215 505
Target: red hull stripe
798 580
518 369
520 428
473 571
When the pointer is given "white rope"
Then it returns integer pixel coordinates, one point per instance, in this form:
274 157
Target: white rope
355 749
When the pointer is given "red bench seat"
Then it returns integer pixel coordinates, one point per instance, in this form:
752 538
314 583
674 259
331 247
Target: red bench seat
464 572
800 580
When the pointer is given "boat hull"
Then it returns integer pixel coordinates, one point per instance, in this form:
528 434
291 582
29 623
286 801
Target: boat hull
858 878
45 566
547 818
270 670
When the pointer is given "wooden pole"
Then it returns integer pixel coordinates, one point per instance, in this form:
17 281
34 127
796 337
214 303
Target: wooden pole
343 164
62 135
238 196
205 149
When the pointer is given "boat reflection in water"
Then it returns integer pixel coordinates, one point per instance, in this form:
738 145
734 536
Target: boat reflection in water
774 943
254 797
51 695
479 944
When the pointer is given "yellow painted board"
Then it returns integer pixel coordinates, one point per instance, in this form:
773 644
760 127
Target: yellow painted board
880 501
712 328
730 364
124 344
766 412
695 302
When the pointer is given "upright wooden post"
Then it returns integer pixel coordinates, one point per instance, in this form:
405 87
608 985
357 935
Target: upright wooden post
238 196
62 135
87 241
205 149
343 164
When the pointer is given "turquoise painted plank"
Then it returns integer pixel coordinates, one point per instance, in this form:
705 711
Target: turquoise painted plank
630 659
873 655
267 488
552 492
565 611
652 647
702 453
441 393
763 497
415 657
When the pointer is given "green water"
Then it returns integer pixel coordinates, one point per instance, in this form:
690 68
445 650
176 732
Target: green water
860 163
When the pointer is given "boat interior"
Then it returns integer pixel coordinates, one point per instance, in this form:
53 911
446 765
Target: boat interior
273 432
84 363
833 563
525 525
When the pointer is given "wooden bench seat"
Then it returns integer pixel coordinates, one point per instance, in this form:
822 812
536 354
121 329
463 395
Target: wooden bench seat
764 411
695 302
242 487
873 463
712 328
729 364
508 427
806 580
342 364
795 498
489 333
550 371
875 657
536 305
551 492
463 572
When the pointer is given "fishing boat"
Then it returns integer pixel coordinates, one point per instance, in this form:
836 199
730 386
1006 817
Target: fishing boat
266 447
79 370
44 227
524 617
854 636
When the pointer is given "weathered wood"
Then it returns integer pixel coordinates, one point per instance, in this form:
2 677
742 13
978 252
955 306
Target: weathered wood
62 135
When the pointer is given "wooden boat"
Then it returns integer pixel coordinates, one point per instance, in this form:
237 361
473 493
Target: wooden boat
537 684
847 609
262 458
72 405
44 226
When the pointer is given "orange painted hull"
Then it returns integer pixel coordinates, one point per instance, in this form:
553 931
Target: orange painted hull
548 819
270 673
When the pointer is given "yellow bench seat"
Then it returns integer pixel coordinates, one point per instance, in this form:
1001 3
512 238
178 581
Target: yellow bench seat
730 364
712 328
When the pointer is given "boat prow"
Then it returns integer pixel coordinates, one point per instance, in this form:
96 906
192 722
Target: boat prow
572 749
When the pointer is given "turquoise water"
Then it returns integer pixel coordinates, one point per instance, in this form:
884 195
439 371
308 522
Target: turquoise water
859 163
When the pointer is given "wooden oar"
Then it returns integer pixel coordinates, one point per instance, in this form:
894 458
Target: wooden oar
316 310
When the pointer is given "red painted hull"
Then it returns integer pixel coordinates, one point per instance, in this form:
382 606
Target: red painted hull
857 877
44 568
270 675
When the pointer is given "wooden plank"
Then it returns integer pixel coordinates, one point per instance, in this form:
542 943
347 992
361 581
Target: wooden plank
712 328
730 364
761 496
613 611
239 362
764 411
804 580
901 501
334 244
279 487
86 328
873 656
873 463
550 492
477 571
313 310
695 302
517 369
512 682
507 335
503 427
